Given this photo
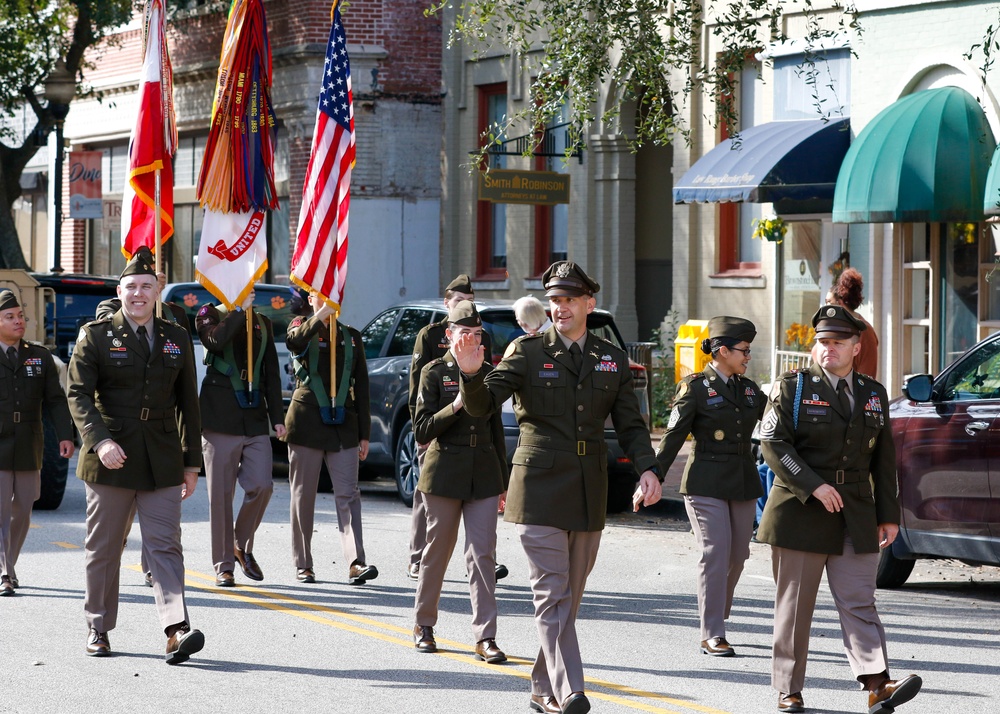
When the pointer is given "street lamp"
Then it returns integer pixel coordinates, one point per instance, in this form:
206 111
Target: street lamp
60 88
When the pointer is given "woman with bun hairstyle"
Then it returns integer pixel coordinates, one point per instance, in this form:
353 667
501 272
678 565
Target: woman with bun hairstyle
719 408
847 292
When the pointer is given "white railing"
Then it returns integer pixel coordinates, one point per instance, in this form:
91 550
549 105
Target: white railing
785 361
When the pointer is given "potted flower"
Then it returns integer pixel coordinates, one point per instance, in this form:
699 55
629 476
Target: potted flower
800 337
772 229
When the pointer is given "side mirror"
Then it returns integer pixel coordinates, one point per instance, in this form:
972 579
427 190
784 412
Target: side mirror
918 388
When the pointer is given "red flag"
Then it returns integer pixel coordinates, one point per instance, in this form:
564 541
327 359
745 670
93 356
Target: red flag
152 144
320 259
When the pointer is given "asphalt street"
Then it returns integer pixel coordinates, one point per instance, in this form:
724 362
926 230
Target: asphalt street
331 647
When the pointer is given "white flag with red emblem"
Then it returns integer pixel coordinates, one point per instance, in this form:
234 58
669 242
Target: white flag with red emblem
232 255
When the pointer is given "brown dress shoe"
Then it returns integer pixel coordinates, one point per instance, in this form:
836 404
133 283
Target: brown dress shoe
98 644
576 703
13 581
423 638
791 702
225 579
717 647
183 643
248 565
361 573
305 575
413 571
6 587
488 651
891 693
544 703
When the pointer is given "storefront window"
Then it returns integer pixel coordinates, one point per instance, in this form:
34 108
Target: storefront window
959 289
800 292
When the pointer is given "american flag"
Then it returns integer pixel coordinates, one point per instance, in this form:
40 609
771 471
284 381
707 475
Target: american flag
320 259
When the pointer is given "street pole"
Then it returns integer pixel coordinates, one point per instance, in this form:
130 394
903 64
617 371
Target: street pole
57 215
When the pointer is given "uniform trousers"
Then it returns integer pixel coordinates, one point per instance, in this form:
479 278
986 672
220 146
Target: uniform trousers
558 565
18 492
443 517
418 526
722 529
109 510
230 458
304 465
851 577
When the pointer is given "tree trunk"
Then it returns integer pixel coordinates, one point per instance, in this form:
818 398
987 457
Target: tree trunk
11 167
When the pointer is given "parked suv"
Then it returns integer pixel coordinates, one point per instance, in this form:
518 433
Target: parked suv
947 436
389 340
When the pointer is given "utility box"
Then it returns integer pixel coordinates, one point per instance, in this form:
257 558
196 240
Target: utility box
688 357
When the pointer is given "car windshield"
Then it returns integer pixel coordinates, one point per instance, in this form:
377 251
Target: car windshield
74 306
272 302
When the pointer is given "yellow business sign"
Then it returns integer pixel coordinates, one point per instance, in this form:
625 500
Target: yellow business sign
543 188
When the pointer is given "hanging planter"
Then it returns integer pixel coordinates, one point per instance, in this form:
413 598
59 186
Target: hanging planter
772 229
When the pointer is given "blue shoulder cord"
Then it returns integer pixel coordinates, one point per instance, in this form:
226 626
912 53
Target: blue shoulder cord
800 380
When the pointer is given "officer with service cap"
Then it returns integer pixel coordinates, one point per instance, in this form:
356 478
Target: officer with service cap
719 408
567 381
833 505
134 396
28 379
462 476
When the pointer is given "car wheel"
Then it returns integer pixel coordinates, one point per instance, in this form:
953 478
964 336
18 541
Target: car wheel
892 571
621 486
54 470
407 465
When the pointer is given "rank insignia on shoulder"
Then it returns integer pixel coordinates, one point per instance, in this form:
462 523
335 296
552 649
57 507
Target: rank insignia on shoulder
297 321
509 351
203 311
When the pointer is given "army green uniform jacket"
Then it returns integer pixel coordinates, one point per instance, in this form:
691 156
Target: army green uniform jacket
854 453
219 409
720 464
303 422
24 388
149 408
432 343
466 458
559 474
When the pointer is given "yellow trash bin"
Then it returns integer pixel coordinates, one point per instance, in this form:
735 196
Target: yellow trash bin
688 357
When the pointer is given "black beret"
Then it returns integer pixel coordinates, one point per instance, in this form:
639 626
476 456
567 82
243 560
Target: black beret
836 322
461 284
567 279
142 263
735 328
8 300
465 314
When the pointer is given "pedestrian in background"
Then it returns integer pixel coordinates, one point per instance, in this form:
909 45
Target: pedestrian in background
833 506
719 408
29 380
847 292
462 476
530 315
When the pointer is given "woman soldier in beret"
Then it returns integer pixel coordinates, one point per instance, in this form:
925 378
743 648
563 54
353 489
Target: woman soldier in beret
719 408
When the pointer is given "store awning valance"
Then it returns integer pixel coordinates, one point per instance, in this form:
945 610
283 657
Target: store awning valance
796 160
923 159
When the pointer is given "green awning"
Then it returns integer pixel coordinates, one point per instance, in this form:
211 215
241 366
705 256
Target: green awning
923 159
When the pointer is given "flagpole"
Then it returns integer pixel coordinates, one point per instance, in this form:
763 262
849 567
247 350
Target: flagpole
333 359
157 234
250 349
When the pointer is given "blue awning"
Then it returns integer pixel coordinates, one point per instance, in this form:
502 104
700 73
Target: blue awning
797 160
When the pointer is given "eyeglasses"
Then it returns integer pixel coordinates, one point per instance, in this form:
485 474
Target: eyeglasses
745 350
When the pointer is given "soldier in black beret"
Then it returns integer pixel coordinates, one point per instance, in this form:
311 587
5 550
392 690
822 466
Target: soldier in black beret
719 408
29 379
833 507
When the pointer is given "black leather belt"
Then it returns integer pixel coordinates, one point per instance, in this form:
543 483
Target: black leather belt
472 440
24 417
842 476
711 447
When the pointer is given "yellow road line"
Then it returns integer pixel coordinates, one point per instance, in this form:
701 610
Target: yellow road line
68 546
387 632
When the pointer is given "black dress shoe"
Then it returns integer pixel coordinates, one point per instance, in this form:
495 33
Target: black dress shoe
225 579
148 579
717 647
791 702
502 571
488 651
248 565
544 703
423 638
890 694
413 571
13 581
182 644
305 575
98 644
576 703
6 587
361 573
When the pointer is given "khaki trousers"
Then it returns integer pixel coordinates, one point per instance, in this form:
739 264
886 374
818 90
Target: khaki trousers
109 510
723 529
851 577
229 459
18 492
304 466
443 518
418 526
558 565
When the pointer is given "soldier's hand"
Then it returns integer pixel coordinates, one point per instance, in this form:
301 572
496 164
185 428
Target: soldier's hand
110 454
468 354
887 533
648 492
66 448
363 449
190 484
324 312
280 431
248 300
829 497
